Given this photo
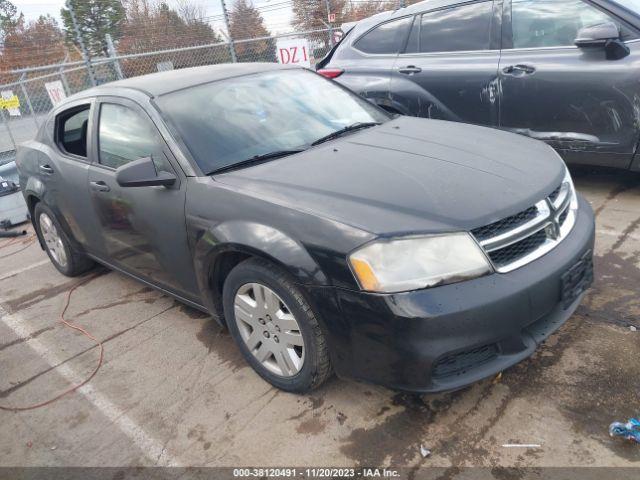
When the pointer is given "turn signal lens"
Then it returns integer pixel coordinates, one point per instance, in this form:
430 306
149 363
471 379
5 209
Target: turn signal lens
365 275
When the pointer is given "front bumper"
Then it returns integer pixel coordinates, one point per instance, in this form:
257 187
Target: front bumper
447 337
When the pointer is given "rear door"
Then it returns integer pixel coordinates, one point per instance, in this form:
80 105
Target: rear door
574 99
449 67
368 60
143 227
64 171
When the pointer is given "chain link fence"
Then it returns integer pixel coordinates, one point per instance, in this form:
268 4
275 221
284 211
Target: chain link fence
27 95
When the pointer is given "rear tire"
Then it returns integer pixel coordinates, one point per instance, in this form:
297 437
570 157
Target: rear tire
68 261
275 327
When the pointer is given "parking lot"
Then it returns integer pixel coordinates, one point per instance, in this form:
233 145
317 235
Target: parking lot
173 389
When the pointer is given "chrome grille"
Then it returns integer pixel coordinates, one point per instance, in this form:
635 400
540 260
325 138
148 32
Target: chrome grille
554 195
506 255
506 224
519 239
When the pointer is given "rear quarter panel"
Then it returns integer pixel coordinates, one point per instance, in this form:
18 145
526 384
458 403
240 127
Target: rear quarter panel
367 75
29 157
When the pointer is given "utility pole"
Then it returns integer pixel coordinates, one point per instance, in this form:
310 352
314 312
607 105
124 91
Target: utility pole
113 54
232 48
83 48
331 41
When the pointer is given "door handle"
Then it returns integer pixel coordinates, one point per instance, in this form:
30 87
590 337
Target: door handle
517 70
46 169
99 186
410 70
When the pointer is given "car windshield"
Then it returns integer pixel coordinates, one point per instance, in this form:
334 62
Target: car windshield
633 5
230 121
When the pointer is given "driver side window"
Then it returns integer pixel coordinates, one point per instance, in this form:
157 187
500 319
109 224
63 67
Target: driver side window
124 136
554 23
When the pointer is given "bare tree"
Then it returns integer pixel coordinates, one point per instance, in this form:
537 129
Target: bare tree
363 8
312 14
156 26
191 12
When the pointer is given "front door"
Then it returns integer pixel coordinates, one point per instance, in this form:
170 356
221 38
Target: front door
574 99
143 227
449 67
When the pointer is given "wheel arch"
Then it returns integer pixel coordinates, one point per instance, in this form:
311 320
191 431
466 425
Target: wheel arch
392 107
409 98
35 193
219 249
32 196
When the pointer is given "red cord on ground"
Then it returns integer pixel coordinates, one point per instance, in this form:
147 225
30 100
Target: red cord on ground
9 242
14 241
84 332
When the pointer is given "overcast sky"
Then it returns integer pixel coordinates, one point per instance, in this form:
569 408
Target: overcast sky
277 20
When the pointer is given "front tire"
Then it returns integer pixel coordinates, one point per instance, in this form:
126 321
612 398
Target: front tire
275 327
57 245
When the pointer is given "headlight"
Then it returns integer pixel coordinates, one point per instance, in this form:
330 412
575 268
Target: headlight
418 262
567 192
572 189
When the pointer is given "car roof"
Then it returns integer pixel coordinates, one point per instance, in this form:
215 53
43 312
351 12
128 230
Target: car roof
431 4
155 84
381 17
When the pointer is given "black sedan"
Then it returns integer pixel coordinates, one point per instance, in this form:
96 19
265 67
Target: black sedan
562 71
327 235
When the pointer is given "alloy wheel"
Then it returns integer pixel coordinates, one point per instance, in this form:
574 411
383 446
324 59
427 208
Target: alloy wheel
269 329
53 240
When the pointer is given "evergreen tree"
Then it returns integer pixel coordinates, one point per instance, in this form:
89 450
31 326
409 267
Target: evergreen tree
245 21
8 18
95 19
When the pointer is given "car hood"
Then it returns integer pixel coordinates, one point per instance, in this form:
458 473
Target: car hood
410 175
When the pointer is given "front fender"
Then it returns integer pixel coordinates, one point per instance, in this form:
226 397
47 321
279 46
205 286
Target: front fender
255 239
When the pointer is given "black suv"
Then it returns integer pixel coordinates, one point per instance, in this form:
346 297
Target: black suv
562 71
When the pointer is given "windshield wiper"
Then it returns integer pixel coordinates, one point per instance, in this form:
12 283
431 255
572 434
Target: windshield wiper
255 159
342 131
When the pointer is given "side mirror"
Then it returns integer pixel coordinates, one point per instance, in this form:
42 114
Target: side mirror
606 36
143 173
597 35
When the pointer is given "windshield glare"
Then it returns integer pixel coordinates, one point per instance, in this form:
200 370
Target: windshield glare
228 121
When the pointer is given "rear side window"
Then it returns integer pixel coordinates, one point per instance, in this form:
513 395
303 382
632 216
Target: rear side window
462 28
387 38
554 23
72 131
124 136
